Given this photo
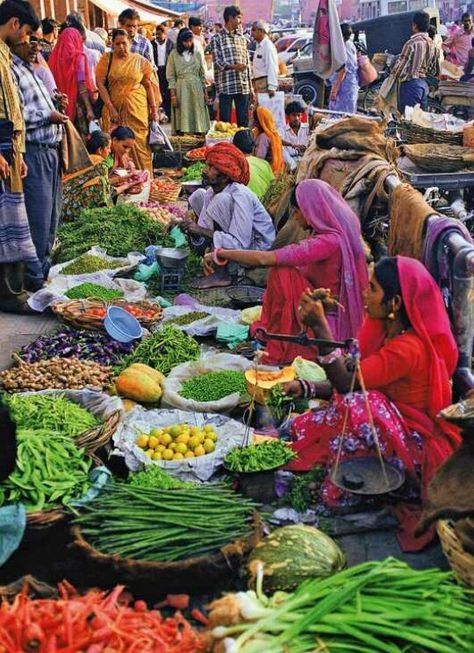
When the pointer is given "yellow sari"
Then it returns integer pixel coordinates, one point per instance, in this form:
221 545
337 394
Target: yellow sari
128 95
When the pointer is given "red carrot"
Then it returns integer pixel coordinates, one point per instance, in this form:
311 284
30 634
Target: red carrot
199 616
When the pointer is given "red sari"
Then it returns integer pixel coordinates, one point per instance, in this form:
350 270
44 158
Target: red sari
408 383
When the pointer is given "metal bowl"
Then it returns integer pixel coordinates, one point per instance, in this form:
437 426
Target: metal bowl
365 476
172 257
245 296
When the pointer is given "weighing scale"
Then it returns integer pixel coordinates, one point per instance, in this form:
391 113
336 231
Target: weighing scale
364 475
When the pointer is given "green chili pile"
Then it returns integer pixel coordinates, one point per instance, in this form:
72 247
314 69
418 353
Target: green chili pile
163 350
164 525
88 263
187 318
49 470
259 457
213 386
376 606
50 412
93 291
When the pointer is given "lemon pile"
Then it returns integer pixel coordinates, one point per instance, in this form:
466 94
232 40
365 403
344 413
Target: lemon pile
224 129
177 442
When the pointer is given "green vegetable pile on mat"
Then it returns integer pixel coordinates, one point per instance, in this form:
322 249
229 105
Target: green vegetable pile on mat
376 606
304 489
93 291
259 457
213 386
155 477
50 470
163 350
165 525
50 412
88 263
119 229
187 318
194 172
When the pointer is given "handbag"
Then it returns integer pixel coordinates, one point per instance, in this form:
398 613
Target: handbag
157 139
7 131
365 70
99 103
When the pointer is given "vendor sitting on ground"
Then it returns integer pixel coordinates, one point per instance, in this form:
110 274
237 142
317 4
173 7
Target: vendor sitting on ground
408 356
296 135
230 215
332 256
92 187
261 173
268 144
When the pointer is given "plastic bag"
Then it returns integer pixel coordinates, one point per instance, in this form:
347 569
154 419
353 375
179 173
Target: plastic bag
308 370
126 263
230 434
157 138
12 528
212 363
206 325
142 196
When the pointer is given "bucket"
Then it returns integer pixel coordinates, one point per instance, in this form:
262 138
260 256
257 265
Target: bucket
122 326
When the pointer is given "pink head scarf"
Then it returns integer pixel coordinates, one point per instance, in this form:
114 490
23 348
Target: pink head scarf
326 212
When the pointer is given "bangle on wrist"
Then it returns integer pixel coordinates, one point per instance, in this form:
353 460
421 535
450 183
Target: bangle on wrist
215 257
329 359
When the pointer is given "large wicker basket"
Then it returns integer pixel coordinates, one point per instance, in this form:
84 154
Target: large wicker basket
412 133
165 196
191 576
187 142
75 312
461 562
436 157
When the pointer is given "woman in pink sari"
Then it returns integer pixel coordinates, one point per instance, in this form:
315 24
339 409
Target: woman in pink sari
408 356
331 257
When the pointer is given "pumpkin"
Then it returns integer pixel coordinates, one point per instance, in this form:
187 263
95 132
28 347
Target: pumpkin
140 383
260 382
293 554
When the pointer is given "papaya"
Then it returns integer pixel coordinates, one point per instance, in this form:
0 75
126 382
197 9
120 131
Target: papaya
140 383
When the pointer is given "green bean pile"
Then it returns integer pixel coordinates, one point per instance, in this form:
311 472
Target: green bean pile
163 350
164 525
93 291
259 457
89 263
187 318
213 386
50 412
49 470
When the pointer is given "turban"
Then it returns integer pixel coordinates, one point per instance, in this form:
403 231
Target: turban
230 161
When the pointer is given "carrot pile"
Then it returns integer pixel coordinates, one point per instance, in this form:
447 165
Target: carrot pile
96 622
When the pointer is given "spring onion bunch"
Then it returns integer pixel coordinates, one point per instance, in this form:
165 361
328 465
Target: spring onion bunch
376 606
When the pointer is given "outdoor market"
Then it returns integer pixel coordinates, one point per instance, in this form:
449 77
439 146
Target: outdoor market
236 332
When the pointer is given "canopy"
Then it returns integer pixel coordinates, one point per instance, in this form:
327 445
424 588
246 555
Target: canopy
148 13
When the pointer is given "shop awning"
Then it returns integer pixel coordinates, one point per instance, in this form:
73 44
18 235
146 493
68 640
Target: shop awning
148 13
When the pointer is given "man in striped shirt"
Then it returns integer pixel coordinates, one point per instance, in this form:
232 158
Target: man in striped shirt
419 58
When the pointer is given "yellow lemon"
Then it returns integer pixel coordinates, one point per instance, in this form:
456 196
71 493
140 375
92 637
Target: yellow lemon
172 446
160 448
208 428
166 439
175 430
142 440
183 438
189 454
194 442
199 451
178 456
157 455
157 433
209 446
167 454
211 436
153 442
181 447
149 453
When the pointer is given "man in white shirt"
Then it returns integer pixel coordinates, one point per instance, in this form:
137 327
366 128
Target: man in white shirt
162 47
296 135
265 61
174 31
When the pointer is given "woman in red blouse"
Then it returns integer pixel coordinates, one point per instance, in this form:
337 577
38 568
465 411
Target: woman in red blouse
408 355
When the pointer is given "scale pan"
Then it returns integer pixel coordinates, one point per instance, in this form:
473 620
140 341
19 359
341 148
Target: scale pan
365 476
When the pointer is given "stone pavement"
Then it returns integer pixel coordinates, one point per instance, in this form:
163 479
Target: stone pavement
18 330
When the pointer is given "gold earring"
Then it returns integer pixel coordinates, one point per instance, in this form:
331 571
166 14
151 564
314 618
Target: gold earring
391 316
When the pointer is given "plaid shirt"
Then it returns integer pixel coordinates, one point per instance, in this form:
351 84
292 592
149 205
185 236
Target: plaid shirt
227 49
141 45
37 105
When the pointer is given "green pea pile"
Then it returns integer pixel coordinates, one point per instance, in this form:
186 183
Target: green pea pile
187 318
88 263
213 386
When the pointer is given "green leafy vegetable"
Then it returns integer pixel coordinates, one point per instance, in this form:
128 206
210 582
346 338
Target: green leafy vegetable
259 457
155 477
93 291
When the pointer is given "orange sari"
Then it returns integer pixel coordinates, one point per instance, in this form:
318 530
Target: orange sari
128 95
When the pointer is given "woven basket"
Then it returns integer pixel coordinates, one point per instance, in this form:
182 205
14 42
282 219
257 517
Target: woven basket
74 312
461 562
165 196
185 143
411 133
191 576
440 157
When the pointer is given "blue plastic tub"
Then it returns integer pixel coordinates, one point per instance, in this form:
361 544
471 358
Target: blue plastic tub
122 326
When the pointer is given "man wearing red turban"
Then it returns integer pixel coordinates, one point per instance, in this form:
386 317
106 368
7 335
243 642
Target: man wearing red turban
229 215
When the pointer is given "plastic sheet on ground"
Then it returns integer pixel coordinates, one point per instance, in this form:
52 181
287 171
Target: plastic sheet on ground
54 291
127 263
205 326
230 434
212 363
